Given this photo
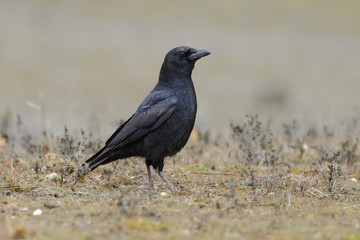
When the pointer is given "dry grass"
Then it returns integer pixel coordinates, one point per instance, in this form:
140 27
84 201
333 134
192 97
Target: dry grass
215 199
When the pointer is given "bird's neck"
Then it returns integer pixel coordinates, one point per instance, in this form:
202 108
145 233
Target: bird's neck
174 77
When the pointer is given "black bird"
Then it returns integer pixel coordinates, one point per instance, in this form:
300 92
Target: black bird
162 124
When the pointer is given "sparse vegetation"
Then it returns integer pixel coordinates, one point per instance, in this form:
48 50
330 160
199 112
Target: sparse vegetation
257 149
243 195
331 171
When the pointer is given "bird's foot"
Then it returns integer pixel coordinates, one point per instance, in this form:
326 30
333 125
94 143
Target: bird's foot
166 180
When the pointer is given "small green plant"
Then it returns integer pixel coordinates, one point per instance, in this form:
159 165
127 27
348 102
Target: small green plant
75 151
66 143
27 143
12 185
349 150
333 171
297 140
257 147
302 184
291 129
88 143
249 171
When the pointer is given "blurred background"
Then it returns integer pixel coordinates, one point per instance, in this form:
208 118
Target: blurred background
90 63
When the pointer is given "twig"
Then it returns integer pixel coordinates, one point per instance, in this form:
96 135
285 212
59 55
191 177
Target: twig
221 173
321 193
289 199
313 193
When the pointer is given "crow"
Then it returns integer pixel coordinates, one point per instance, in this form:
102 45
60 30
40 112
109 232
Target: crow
163 122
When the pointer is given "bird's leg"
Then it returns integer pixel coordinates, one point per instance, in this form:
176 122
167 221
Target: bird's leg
165 179
151 183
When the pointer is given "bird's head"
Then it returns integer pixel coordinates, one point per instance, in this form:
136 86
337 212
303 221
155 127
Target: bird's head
181 60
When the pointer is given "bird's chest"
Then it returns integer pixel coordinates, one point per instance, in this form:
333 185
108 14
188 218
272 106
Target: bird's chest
178 127
187 104
186 113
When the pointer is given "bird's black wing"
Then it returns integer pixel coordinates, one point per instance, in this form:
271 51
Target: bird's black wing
157 107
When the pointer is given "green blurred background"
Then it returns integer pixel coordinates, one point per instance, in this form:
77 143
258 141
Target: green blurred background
90 63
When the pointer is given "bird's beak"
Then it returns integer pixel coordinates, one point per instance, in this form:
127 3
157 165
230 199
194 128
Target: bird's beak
198 53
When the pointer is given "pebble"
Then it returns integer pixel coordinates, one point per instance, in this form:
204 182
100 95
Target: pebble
52 176
305 146
37 212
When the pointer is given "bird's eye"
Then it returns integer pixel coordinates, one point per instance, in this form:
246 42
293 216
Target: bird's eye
182 53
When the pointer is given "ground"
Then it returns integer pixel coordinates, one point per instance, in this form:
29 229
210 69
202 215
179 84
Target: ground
214 199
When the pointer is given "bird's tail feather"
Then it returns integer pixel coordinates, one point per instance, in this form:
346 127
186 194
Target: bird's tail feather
103 156
97 159
97 162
